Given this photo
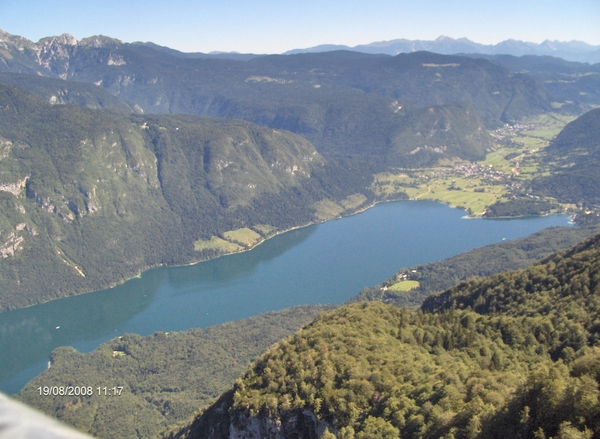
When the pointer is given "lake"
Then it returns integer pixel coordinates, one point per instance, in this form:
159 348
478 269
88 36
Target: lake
327 263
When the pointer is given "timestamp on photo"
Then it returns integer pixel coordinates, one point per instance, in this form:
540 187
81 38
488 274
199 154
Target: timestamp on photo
80 390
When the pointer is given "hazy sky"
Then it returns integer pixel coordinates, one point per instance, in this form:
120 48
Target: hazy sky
274 26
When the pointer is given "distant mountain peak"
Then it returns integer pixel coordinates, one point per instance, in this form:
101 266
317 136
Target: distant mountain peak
578 51
65 39
100 41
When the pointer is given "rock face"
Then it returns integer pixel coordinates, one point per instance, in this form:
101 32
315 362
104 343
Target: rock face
219 421
51 56
302 423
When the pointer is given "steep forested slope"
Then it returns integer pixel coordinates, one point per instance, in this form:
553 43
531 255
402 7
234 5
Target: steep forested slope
484 261
90 197
572 83
515 355
574 157
60 92
345 103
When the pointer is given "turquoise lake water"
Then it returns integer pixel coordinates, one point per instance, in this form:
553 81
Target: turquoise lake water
327 263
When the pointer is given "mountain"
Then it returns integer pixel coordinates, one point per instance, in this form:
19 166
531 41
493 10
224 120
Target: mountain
574 157
105 148
570 50
101 149
572 83
155 48
513 355
266 89
60 92
91 197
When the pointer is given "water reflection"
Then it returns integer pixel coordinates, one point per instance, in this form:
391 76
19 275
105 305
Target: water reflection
328 263
28 335
226 270
42 328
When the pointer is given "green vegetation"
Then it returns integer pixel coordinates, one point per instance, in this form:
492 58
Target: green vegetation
576 86
574 160
89 198
165 376
446 184
265 229
347 104
61 92
326 209
244 236
218 245
484 261
354 201
521 206
404 285
514 355
492 187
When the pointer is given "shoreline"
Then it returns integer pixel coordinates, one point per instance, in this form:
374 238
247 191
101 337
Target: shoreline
139 274
359 210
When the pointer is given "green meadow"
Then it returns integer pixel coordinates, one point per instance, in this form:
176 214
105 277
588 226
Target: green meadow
216 243
404 285
244 236
516 160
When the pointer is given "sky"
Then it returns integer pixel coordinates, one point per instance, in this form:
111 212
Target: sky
275 26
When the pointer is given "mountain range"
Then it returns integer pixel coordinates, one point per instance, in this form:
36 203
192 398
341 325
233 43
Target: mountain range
93 154
568 50
300 129
118 157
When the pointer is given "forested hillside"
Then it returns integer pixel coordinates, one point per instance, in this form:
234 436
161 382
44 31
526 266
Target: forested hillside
574 84
515 355
574 159
424 280
169 187
92 197
345 103
164 377
60 92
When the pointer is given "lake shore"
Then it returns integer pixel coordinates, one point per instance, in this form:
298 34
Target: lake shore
347 213
328 263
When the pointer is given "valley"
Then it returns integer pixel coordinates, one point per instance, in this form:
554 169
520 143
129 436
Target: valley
324 263
239 193
473 186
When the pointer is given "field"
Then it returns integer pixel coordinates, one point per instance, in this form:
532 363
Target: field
216 243
327 209
472 193
245 236
353 201
473 186
232 241
265 229
404 285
